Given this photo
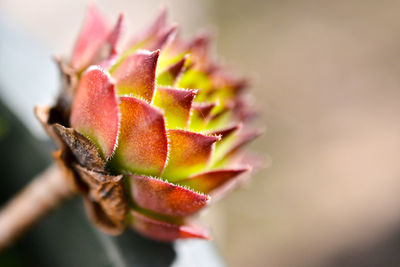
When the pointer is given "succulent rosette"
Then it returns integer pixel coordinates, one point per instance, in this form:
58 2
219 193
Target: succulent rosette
151 130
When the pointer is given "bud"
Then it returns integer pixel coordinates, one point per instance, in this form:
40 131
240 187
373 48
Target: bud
149 131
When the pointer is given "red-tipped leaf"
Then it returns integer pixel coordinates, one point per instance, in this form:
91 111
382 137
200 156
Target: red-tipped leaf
208 181
165 231
200 50
93 35
165 198
169 76
161 39
95 112
176 104
114 38
155 36
244 138
135 75
201 114
189 153
143 143
227 131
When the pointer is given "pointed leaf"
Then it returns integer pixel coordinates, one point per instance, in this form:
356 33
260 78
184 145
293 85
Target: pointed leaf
114 37
208 181
159 24
155 36
227 131
159 41
113 41
93 35
227 150
222 116
195 79
188 153
228 138
256 162
135 76
244 138
95 111
165 231
200 51
201 114
165 198
169 76
230 185
143 143
228 81
173 52
176 104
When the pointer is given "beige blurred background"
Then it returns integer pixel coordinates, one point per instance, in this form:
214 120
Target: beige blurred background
328 84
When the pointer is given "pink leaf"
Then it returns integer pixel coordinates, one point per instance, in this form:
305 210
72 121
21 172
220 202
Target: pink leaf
165 198
200 50
143 143
208 181
93 35
95 111
165 231
169 76
176 104
155 36
135 75
227 131
159 24
114 37
201 114
161 39
114 40
244 138
189 152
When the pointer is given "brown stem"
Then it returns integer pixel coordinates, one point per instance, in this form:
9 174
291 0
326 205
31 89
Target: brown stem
44 193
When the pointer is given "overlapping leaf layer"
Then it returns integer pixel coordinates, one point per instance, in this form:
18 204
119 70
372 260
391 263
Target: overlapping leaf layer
163 113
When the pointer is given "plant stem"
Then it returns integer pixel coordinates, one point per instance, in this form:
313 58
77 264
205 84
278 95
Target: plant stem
46 191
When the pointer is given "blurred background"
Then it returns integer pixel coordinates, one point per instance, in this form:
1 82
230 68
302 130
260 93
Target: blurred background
326 78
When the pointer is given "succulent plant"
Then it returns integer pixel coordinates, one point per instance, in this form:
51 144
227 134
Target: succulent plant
151 130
